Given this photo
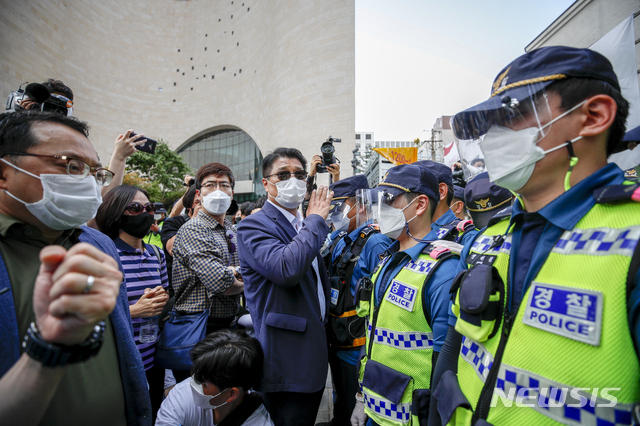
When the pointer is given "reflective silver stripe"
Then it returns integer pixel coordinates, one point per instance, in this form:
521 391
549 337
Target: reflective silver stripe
406 340
477 356
561 402
599 241
400 413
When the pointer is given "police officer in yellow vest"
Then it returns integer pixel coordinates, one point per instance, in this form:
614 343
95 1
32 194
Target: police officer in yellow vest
353 253
406 301
547 315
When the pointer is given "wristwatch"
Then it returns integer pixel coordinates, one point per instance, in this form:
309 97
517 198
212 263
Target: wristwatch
53 355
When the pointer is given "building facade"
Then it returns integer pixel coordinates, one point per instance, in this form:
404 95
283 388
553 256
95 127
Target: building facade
282 72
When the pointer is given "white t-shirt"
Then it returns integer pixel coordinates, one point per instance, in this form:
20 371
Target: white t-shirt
179 409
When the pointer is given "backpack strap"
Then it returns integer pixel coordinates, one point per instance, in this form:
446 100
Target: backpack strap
440 254
613 193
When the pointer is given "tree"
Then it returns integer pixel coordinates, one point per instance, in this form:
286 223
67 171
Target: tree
160 174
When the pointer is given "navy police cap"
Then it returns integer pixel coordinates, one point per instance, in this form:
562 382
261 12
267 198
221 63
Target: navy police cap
347 187
458 192
442 172
484 198
541 67
407 178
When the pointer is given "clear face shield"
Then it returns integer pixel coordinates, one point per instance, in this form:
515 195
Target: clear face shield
338 216
381 203
365 207
521 108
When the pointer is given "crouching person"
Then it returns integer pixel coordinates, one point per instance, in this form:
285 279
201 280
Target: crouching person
226 365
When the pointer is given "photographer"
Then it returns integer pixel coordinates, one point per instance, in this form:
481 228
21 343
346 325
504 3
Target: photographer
50 96
334 171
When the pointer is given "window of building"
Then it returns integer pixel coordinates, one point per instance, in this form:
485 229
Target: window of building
357 137
368 136
233 148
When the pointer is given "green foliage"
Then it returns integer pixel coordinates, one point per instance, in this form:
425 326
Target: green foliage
160 174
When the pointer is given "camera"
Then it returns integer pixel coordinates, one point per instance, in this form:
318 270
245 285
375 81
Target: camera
34 91
326 150
43 98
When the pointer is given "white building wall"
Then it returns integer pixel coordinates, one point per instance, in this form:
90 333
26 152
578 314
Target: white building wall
281 70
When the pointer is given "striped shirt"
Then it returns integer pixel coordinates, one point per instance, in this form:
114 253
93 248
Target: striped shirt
142 270
202 252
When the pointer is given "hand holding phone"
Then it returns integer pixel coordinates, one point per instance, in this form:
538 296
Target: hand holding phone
149 146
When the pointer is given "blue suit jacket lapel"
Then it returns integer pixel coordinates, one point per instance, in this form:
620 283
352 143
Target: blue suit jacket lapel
279 219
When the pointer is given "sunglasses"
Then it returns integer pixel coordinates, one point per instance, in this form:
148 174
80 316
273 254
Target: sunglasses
137 208
301 175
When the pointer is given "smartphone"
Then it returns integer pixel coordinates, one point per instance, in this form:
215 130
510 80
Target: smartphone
149 146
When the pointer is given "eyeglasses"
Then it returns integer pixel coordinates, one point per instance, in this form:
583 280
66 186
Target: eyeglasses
302 175
137 208
77 168
214 185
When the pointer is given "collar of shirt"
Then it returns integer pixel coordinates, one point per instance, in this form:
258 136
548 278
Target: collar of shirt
447 217
567 210
333 235
413 252
10 226
291 218
124 247
204 216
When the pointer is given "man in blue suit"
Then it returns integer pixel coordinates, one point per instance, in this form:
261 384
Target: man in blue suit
287 288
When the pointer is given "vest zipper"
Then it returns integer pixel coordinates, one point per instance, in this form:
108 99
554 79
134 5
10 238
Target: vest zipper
484 402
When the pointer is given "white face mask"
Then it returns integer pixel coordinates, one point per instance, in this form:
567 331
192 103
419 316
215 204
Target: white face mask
66 202
392 220
341 221
202 400
291 192
511 155
217 203
157 216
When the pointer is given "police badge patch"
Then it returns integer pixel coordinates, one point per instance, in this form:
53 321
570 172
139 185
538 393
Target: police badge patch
334 296
402 295
575 313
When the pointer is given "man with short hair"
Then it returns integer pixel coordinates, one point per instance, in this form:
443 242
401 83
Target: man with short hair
227 365
287 288
457 203
564 265
352 253
406 301
205 256
74 322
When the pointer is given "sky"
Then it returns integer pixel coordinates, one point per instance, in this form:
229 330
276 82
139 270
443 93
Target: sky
417 60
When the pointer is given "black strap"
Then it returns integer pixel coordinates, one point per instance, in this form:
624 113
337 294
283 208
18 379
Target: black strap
631 278
327 255
346 262
237 417
442 257
155 251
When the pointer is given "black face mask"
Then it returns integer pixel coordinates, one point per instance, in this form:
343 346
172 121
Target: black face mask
137 226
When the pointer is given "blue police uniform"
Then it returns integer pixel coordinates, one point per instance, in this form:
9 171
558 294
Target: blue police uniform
446 219
376 245
436 298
